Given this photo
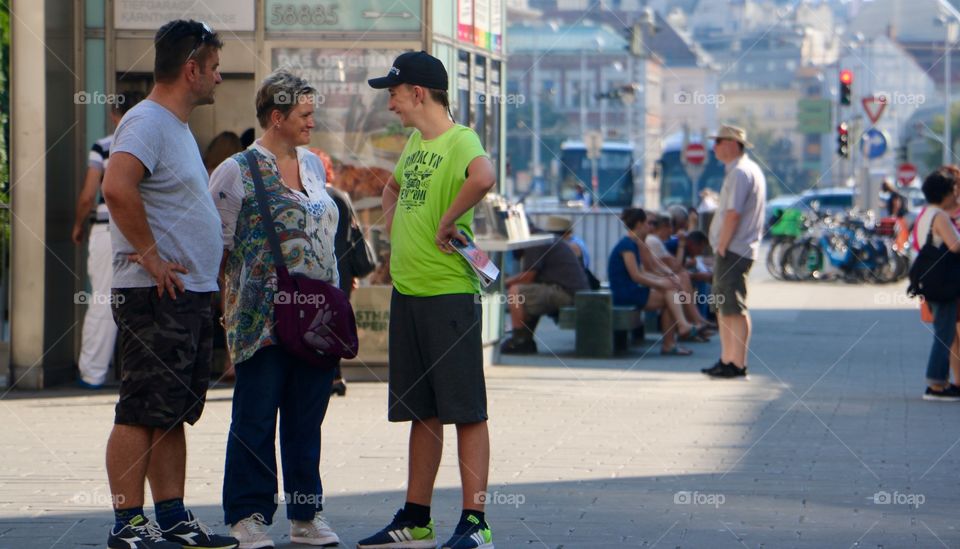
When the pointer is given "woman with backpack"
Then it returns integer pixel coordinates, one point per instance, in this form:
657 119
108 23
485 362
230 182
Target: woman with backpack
935 227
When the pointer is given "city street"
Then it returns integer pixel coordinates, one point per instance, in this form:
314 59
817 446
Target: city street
827 445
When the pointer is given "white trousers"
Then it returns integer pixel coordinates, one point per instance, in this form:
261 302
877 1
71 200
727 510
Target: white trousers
99 329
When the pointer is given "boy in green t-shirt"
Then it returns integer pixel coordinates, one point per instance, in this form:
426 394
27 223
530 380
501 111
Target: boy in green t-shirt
436 354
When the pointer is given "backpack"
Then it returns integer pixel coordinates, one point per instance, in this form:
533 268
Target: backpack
935 273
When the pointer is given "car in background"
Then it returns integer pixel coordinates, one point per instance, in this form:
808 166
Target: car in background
830 200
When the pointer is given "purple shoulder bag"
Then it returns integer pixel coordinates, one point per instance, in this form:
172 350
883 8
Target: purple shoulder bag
313 319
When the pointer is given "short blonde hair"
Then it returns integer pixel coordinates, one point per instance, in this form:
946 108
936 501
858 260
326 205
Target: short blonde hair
281 90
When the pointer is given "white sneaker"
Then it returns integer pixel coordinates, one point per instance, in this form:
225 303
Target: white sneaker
314 532
251 532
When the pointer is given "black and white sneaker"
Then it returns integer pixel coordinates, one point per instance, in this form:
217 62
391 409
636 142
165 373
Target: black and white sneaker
950 394
728 371
193 533
139 533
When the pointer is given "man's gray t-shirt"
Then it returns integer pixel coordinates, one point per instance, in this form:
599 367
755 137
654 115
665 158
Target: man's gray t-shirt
556 263
180 210
744 191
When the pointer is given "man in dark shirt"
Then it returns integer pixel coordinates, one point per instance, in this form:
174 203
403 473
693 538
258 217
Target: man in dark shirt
549 277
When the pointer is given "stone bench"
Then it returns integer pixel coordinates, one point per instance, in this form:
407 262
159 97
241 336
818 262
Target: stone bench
602 329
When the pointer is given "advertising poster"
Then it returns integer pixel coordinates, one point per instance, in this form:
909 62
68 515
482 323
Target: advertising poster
496 25
481 23
465 20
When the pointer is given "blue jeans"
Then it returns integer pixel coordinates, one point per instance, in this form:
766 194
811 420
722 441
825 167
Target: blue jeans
944 330
269 381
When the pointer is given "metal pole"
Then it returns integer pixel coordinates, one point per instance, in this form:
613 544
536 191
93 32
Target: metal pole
535 139
603 115
583 92
633 90
595 181
947 122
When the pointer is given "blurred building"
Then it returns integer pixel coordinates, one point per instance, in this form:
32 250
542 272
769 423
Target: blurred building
572 65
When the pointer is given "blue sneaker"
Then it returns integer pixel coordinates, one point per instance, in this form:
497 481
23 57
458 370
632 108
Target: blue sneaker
401 534
470 535
195 534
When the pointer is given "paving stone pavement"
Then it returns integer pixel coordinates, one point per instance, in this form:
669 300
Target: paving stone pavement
828 445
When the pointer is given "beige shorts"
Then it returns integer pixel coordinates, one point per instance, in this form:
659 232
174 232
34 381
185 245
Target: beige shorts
543 299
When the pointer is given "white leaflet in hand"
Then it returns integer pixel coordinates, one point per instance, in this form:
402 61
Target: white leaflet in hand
478 260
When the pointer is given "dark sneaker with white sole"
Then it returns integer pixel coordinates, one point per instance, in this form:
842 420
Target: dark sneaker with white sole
950 394
713 369
139 533
728 371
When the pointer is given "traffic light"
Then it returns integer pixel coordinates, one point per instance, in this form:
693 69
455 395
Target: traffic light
846 81
843 140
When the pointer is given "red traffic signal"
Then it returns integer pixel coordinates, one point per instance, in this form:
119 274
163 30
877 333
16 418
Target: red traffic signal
846 80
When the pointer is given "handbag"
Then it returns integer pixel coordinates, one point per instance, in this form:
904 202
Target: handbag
313 319
935 273
360 258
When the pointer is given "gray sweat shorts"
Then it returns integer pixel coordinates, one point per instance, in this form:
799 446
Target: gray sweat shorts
436 359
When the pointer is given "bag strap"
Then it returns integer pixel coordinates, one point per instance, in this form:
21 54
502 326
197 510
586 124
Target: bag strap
265 217
933 217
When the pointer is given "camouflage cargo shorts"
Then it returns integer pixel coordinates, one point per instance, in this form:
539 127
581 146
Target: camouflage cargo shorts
166 348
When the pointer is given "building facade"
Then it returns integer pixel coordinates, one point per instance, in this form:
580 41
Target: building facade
78 54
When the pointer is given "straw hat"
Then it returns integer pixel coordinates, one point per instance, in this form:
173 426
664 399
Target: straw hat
732 132
557 224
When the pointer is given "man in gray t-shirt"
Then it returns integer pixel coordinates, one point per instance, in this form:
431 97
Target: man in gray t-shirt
549 277
166 240
735 236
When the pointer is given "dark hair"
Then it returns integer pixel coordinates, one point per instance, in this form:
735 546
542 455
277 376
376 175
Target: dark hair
939 184
632 216
442 97
280 91
247 138
178 42
697 237
126 101
899 212
223 146
660 221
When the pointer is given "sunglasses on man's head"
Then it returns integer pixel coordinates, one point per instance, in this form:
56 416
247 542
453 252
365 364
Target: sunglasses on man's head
206 33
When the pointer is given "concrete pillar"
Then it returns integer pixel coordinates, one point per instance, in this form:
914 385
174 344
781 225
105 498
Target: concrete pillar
44 141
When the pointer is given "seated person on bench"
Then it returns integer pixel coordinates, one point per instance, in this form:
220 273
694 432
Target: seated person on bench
692 251
662 229
549 277
632 285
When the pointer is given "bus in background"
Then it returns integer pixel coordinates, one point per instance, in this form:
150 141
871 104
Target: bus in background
676 186
614 174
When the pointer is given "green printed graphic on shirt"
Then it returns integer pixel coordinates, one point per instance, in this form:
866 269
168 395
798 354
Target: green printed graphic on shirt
430 173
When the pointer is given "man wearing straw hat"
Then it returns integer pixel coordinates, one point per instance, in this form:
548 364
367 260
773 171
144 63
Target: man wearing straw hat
735 237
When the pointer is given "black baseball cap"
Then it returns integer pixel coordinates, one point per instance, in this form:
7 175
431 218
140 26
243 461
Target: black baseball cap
418 68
